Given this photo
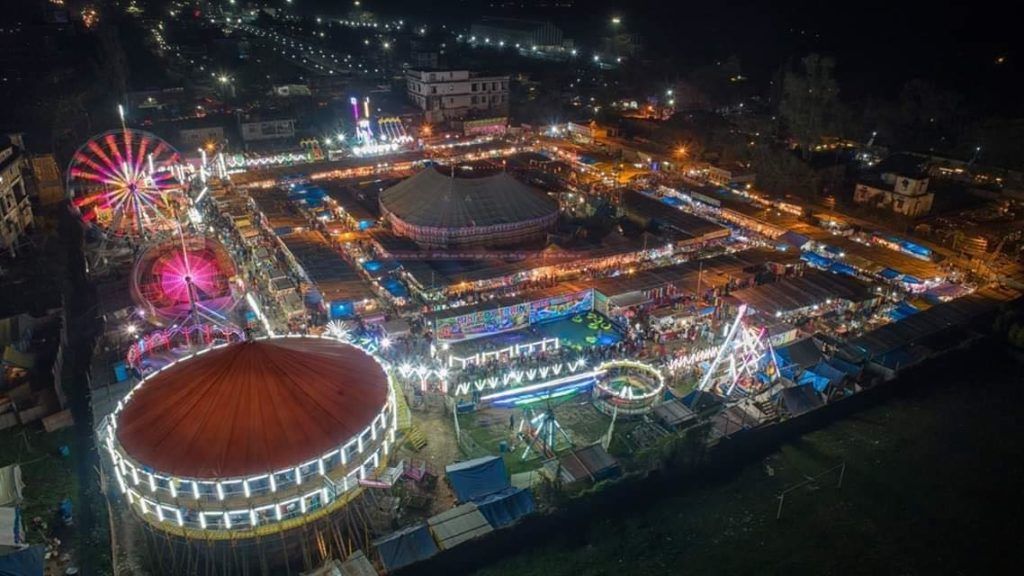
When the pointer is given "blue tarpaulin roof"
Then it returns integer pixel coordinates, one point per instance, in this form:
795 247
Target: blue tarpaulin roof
793 239
915 248
889 274
848 367
810 378
800 399
474 479
826 370
815 259
804 353
840 268
25 562
908 279
506 507
902 311
406 547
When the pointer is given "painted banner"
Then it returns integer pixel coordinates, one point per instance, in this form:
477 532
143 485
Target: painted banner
483 323
557 307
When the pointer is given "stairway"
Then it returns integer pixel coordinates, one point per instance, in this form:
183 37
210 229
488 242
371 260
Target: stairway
770 411
417 440
404 416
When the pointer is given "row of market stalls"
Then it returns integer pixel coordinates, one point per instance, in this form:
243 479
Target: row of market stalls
244 233
487 501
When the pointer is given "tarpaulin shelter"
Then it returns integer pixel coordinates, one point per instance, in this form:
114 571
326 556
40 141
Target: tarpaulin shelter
592 463
474 479
832 375
902 311
889 274
12 533
406 547
22 562
810 378
506 507
11 485
460 524
803 353
794 239
800 399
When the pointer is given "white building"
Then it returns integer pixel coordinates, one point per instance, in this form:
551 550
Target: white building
15 206
453 94
900 193
729 175
253 131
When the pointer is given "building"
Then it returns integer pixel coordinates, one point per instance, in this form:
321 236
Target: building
258 130
237 443
453 94
438 208
730 175
49 184
15 205
516 32
901 192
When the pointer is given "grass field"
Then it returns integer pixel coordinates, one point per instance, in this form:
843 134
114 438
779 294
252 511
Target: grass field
932 486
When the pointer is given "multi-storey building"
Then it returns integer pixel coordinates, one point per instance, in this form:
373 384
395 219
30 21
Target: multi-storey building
15 205
457 94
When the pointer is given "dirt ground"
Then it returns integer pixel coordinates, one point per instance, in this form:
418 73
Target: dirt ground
441 450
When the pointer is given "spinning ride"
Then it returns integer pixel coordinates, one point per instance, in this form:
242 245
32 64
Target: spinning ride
127 184
187 277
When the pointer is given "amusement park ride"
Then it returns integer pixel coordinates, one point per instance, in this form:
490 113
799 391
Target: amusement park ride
390 135
132 191
745 363
128 186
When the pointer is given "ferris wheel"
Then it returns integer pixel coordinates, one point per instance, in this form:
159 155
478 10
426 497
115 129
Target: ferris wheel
127 183
185 280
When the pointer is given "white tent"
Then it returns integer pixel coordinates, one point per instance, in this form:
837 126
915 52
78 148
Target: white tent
10 485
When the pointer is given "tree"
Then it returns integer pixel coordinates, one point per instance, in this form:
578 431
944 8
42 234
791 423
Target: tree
783 172
928 115
809 106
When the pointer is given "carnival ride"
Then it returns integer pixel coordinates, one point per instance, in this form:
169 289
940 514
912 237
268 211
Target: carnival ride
543 435
745 363
128 184
627 387
188 279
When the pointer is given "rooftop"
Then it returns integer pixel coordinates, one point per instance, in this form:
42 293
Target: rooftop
252 407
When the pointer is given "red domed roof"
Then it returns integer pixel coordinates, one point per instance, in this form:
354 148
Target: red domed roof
252 407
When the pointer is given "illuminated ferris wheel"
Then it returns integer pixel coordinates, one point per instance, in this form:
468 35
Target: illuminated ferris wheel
126 183
185 280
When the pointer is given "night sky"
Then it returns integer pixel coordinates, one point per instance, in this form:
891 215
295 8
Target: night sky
878 45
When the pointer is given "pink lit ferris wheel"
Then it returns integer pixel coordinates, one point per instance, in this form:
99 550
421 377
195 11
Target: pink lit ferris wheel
126 182
188 279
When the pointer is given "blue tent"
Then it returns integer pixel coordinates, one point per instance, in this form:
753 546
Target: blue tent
800 399
506 507
889 274
811 378
902 311
841 268
848 368
406 547
826 370
815 259
474 479
793 239
24 562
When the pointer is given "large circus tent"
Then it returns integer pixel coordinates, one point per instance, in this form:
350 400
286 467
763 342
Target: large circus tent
439 208
252 437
